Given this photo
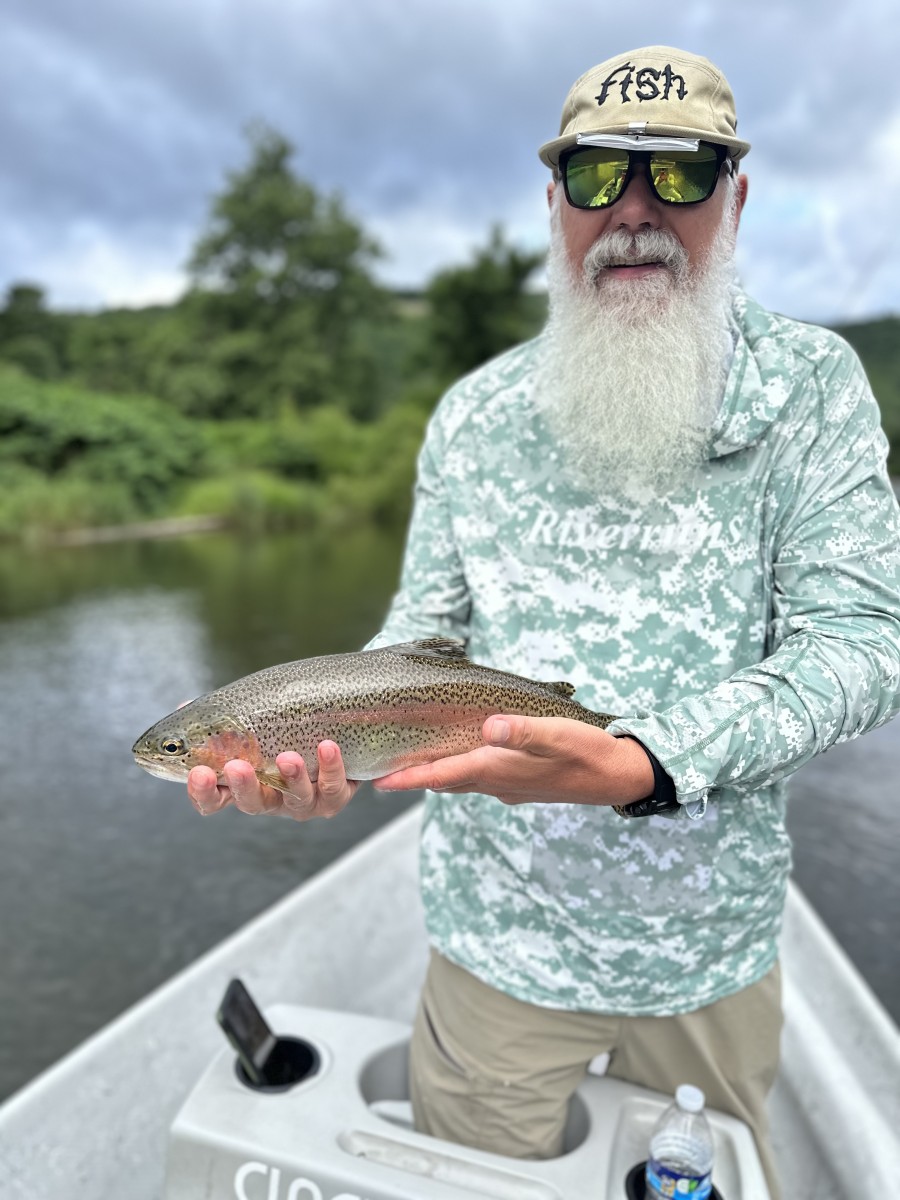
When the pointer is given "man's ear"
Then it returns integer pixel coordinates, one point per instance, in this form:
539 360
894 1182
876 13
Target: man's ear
551 188
742 185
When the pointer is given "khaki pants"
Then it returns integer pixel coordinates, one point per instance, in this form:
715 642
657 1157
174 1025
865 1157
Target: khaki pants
496 1074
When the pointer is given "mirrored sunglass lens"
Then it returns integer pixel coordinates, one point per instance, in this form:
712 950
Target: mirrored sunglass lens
594 178
684 178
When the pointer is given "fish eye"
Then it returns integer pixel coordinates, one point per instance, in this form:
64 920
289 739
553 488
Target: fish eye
172 745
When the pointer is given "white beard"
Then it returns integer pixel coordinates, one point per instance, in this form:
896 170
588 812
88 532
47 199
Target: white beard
633 369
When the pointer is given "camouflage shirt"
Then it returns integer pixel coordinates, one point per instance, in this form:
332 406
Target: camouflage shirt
739 627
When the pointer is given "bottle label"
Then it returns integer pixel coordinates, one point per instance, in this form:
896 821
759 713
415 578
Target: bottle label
663 1181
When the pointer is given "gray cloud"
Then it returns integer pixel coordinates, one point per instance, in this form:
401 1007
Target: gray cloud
121 121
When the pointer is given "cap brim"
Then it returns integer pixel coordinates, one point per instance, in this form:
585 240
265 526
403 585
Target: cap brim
550 151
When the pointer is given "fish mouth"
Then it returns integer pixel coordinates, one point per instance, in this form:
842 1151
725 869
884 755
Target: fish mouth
162 770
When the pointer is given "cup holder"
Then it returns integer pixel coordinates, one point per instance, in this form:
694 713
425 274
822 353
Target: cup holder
384 1085
265 1062
289 1062
636 1189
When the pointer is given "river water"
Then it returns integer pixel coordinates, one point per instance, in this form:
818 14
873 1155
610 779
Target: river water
110 882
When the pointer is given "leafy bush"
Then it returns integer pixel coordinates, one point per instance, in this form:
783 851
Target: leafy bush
32 505
254 501
878 345
33 354
137 444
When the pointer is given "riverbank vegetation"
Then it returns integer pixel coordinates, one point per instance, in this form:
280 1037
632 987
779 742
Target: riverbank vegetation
286 388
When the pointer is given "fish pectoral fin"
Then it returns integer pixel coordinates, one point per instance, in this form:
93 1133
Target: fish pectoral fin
561 688
436 647
274 778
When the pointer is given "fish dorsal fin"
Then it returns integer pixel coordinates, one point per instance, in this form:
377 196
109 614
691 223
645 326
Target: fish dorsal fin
435 647
562 689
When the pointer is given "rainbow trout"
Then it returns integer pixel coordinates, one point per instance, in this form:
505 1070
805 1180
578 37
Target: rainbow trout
390 708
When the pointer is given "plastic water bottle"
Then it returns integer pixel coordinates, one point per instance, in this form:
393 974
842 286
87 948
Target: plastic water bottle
681 1149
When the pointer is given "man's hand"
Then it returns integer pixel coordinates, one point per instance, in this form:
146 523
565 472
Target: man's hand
539 760
331 792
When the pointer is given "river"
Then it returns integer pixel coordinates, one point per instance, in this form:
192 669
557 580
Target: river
110 882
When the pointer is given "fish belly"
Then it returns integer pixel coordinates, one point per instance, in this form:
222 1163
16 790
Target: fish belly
379 749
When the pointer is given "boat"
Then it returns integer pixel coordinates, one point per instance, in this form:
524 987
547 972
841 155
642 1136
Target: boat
345 954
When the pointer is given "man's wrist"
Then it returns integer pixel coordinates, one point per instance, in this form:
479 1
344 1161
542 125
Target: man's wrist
662 798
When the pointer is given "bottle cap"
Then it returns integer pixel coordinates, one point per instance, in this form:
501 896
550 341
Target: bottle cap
689 1098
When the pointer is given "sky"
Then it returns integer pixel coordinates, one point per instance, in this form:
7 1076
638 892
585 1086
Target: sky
121 119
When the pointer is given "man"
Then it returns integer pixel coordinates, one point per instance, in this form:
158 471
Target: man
677 501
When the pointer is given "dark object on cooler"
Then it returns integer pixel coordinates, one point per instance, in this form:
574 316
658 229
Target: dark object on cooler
265 1062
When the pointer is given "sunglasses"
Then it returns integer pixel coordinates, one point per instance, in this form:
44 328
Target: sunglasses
596 176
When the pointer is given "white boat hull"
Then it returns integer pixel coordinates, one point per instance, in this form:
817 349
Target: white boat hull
96 1125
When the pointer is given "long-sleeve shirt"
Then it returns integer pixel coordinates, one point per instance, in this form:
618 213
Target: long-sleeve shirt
737 626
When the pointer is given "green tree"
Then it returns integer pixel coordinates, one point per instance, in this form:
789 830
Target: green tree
282 279
30 336
476 311
107 350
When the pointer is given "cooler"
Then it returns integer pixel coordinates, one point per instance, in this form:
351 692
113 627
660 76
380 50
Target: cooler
343 1131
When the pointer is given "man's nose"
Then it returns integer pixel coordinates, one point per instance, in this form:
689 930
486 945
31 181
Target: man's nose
638 205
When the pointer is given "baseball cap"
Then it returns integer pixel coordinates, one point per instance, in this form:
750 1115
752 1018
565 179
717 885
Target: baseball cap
657 91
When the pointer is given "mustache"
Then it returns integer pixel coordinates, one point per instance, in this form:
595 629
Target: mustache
620 247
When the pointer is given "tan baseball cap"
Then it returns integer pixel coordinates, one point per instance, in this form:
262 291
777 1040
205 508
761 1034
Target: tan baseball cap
654 92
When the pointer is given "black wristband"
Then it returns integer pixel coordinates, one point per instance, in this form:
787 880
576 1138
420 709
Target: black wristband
661 799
